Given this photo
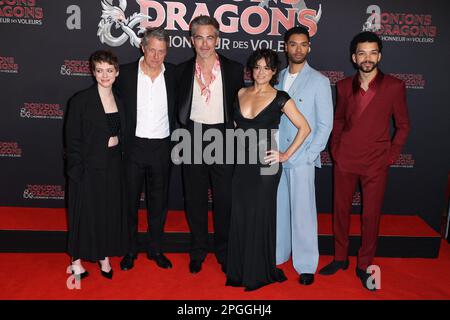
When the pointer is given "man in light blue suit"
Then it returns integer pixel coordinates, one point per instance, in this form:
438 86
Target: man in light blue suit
296 203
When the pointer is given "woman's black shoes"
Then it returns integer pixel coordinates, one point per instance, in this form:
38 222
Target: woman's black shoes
107 275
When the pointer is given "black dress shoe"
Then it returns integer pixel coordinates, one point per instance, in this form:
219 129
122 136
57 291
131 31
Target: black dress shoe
127 262
364 276
195 266
160 259
107 275
306 279
334 267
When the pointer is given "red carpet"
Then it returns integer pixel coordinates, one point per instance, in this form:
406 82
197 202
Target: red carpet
54 219
42 276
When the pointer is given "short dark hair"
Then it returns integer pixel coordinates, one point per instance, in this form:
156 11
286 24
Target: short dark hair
272 61
203 20
365 36
103 56
296 30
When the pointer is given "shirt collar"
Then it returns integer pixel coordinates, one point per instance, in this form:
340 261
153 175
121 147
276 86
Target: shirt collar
373 84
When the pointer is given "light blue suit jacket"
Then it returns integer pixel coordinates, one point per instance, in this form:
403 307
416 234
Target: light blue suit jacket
311 93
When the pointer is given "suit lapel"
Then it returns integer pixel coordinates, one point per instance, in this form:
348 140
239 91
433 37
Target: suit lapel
186 89
96 110
280 85
375 101
168 78
352 103
133 89
300 81
121 113
223 70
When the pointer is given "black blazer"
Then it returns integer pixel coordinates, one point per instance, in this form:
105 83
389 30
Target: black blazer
126 85
87 132
232 81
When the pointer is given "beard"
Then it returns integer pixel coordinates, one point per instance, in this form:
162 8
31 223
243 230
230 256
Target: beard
367 68
295 60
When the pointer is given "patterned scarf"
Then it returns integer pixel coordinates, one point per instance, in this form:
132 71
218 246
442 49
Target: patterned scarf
205 90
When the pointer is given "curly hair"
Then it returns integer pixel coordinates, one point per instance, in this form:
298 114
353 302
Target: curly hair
272 61
365 36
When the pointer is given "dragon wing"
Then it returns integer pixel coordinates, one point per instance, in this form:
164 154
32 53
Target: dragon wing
112 13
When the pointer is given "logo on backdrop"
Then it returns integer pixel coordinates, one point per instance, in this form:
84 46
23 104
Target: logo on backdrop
76 68
8 65
43 191
38 110
400 26
405 160
325 159
10 149
115 16
21 12
333 76
412 80
264 18
356 198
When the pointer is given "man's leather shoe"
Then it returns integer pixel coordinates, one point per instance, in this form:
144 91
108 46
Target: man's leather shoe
160 259
334 267
127 262
306 279
195 266
364 276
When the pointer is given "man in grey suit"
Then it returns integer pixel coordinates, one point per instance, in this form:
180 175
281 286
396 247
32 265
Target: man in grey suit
296 202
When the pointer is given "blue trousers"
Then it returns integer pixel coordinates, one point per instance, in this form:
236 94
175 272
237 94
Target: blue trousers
297 219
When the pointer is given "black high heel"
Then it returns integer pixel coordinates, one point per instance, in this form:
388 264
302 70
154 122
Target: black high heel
107 275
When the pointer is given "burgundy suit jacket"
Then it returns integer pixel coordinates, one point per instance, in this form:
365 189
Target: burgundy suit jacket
361 141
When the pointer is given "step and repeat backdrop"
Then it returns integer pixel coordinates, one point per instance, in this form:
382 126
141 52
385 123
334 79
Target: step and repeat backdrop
45 45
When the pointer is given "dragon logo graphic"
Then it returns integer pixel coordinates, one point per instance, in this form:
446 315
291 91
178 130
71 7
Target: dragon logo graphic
115 16
298 5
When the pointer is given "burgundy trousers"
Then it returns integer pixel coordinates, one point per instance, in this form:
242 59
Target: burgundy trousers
373 187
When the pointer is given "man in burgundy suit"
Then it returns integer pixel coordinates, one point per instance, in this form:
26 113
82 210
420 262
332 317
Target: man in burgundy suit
363 149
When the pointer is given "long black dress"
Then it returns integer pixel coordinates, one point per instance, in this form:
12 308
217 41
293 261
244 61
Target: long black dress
252 240
97 225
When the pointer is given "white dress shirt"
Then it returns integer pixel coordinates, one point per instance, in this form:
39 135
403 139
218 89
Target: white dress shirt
289 80
152 121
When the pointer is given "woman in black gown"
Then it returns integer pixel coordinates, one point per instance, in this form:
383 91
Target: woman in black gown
93 136
252 239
